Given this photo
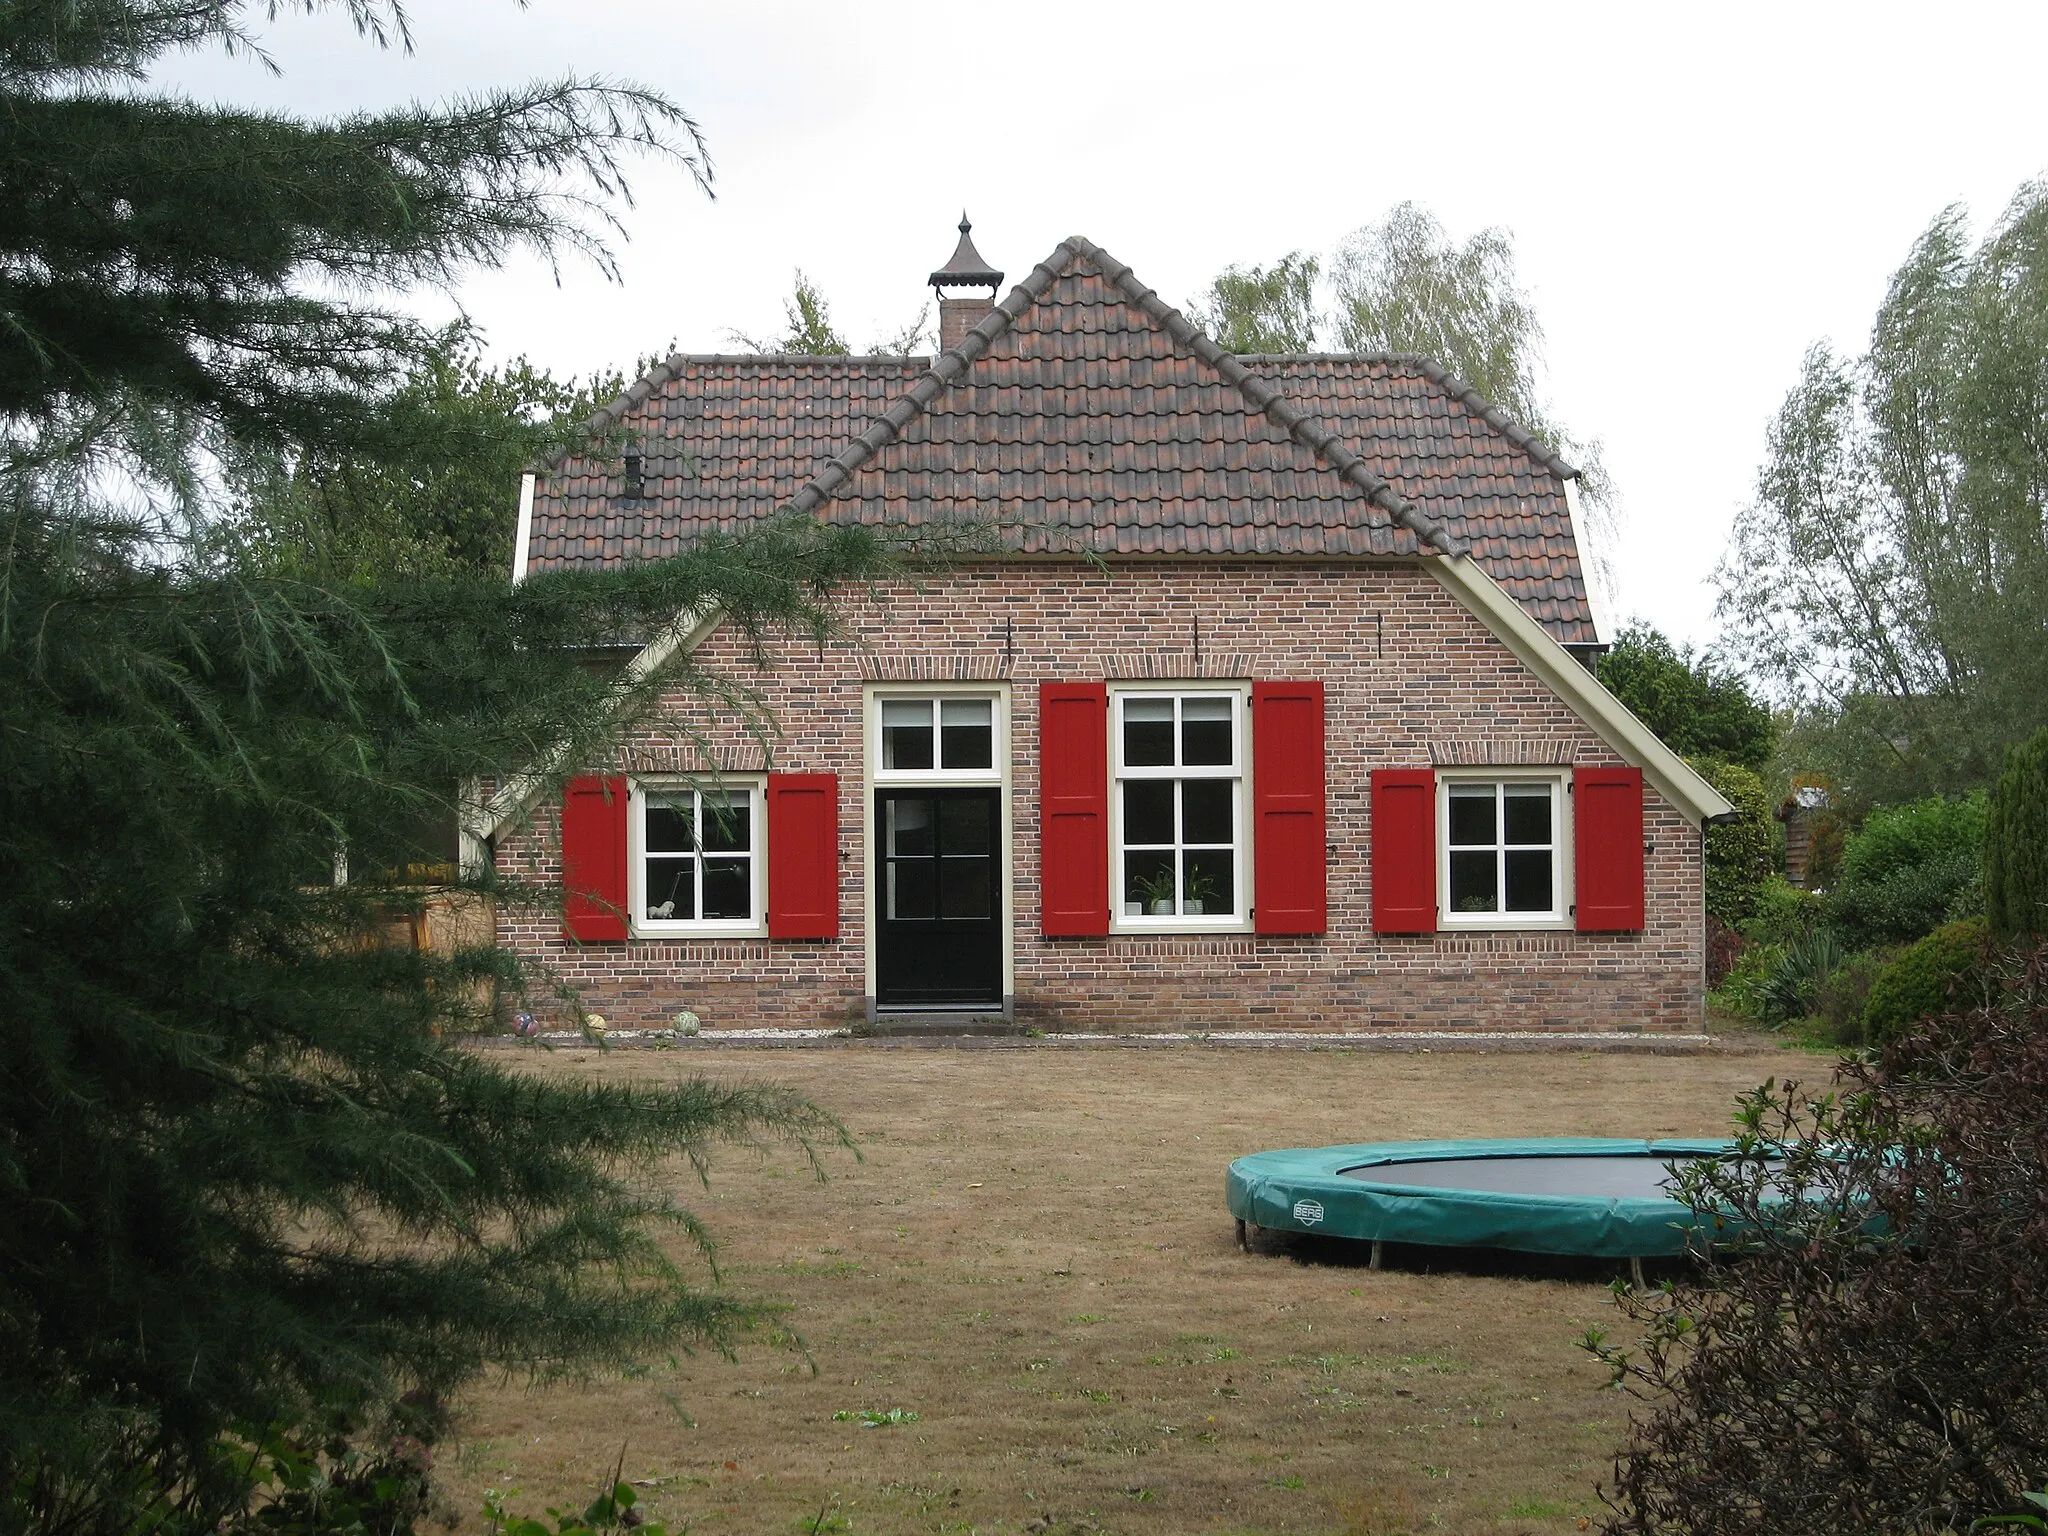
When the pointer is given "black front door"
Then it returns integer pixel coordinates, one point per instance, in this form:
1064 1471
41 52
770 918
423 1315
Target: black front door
938 905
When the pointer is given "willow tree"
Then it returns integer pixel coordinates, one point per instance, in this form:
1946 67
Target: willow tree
1892 577
247 1186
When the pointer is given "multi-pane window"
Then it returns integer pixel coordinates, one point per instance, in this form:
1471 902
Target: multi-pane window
1180 777
1501 849
699 856
938 735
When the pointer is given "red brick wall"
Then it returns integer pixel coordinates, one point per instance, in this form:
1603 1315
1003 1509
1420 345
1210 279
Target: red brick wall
1412 678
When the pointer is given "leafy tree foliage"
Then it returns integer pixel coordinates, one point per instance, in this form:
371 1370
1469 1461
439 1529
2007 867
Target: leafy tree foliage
2016 842
1863 1347
810 331
1741 854
1693 707
427 492
1263 309
248 1186
1893 573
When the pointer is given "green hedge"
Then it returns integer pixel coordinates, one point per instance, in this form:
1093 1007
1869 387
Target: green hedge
1910 869
2016 843
1927 978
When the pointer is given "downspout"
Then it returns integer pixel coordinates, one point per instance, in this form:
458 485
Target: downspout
524 536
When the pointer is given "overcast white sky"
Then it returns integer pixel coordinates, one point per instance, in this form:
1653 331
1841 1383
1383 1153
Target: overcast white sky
1696 194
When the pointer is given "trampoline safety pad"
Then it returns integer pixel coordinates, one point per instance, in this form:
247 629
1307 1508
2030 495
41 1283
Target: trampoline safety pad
1563 1195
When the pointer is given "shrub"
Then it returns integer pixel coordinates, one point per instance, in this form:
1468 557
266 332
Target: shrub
1740 853
2016 843
1924 977
1789 989
1840 1000
1740 993
1907 871
1782 913
1863 1347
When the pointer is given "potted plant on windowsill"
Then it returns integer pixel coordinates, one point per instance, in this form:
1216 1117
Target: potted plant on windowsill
1151 894
1201 890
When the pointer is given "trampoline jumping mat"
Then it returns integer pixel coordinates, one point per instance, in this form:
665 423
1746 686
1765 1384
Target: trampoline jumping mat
1569 1195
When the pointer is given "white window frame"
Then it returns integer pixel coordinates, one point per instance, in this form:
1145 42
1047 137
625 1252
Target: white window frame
636 859
1239 920
999 744
1560 916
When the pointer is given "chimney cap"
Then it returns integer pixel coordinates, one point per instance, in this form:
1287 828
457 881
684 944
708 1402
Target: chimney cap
967 268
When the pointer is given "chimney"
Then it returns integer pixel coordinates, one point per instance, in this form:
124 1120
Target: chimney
967 269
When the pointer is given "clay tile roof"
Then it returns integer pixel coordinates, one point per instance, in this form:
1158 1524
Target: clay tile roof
1085 414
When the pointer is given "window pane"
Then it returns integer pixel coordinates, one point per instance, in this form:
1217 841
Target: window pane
1528 813
668 825
910 888
1528 880
1148 811
910 827
964 889
964 826
670 891
1148 884
726 892
1148 733
1475 881
906 733
1471 816
1205 810
1209 886
1204 731
967 734
727 823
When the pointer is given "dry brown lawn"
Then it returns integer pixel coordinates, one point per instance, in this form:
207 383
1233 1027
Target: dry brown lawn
1033 1258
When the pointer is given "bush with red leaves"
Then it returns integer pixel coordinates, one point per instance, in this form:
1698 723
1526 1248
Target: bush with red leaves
1864 1345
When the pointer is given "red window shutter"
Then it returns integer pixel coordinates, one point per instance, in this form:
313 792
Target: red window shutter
1073 809
803 855
594 858
1290 877
1404 850
1607 838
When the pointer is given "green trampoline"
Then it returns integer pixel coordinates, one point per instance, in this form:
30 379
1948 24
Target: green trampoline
1564 1195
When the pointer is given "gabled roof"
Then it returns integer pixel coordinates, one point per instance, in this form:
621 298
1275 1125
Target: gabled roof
1084 413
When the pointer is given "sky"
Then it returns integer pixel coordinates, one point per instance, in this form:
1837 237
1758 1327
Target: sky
1696 194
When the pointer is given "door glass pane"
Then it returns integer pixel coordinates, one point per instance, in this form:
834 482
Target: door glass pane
668 825
1471 816
967 733
1148 733
910 827
726 820
726 892
1528 813
1204 731
1528 880
910 888
1148 884
1148 811
964 892
1205 810
1207 885
964 826
670 890
906 733
1475 880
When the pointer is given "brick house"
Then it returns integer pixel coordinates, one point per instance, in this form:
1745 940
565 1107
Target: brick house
1271 712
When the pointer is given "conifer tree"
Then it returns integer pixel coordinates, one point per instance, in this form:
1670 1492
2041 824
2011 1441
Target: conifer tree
247 1183
2016 842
